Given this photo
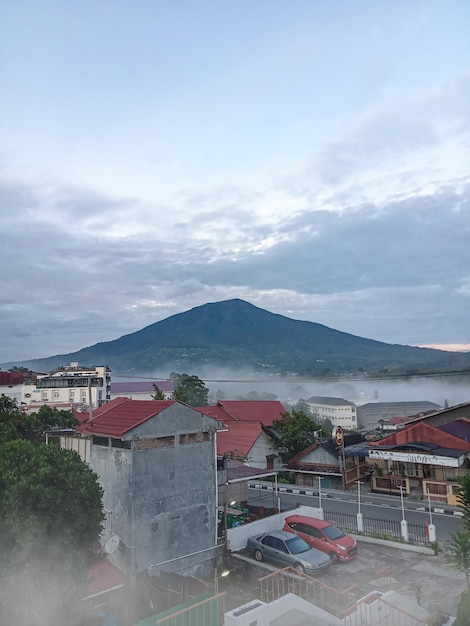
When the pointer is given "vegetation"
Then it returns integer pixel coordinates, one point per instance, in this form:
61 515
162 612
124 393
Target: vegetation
190 389
50 517
463 610
17 424
158 393
294 432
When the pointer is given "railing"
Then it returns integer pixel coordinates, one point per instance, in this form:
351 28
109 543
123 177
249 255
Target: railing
417 533
289 580
374 610
207 612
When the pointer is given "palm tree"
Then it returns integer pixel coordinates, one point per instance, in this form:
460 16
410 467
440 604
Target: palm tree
457 553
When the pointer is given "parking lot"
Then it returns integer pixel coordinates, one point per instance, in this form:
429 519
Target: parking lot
424 578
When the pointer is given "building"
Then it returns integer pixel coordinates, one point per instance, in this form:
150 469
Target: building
156 463
326 461
142 390
245 436
70 384
339 411
372 414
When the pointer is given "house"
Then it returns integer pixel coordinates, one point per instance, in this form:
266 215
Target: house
156 463
422 460
245 435
325 461
141 390
72 384
340 412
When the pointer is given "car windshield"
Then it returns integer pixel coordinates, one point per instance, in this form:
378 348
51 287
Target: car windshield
333 533
296 545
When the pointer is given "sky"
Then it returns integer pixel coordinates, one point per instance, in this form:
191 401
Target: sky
312 158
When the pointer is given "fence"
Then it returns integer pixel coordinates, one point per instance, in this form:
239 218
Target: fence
417 533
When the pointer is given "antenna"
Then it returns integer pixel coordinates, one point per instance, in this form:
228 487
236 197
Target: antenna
112 544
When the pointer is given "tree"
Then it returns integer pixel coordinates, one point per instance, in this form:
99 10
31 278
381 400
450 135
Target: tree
50 517
19 368
158 393
294 432
463 499
190 389
17 424
457 553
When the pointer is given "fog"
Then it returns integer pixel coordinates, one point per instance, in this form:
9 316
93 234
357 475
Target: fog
237 384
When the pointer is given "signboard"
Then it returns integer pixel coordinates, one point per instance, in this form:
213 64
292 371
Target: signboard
338 438
413 457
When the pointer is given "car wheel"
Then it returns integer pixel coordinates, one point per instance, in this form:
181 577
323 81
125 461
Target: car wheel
300 568
258 555
334 557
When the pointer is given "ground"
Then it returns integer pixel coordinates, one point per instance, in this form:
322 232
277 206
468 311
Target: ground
426 579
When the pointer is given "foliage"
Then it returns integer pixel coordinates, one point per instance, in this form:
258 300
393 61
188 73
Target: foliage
17 424
189 389
294 431
438 618
19 368
463 610
158 393
463 498
457 553
50 516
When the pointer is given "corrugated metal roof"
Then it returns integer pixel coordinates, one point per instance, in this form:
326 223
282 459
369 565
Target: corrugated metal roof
141 386
240 437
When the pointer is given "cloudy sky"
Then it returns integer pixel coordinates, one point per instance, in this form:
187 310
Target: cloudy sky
310 157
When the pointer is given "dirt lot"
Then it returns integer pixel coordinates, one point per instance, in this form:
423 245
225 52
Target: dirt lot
424 578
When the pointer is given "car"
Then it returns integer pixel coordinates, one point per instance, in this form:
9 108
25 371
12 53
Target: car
324 536
286 549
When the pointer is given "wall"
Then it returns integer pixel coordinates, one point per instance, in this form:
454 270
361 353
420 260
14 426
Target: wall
237 537
262 448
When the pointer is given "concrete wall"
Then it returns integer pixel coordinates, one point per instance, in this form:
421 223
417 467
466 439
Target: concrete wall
162 493
237 537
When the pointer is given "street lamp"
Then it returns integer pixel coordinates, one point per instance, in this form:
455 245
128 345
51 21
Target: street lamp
217 577
404 523
429 505
400 487
360 524
320 478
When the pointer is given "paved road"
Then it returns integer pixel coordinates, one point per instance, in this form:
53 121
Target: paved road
383 507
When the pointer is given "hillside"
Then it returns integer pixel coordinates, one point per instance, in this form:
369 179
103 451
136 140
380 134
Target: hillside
236 334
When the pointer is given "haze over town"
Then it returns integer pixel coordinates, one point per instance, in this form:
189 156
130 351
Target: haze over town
310 158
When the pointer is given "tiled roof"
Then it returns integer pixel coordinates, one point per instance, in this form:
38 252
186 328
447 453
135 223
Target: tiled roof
121 415
240 438
141 386
264 411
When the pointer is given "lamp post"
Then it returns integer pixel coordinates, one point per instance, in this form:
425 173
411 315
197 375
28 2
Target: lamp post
217 577
404 523
320 478
431 527
360 524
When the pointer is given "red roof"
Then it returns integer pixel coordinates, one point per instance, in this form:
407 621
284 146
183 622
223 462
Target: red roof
121 415
264 411
103 577
239 438
421 431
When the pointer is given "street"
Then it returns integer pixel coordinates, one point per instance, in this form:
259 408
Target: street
377 506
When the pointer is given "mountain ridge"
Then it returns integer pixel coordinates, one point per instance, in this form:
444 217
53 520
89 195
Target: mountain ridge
237 334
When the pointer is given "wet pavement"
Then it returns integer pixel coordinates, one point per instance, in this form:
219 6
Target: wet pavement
427 579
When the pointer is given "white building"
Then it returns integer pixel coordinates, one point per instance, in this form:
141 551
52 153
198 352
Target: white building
70 384
142 390
339 411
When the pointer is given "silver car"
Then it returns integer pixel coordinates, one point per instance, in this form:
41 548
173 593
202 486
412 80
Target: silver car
281 547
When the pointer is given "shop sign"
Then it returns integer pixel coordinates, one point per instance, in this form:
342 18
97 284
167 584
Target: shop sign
413 457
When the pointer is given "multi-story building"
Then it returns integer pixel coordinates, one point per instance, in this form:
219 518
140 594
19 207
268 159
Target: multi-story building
142 390
70 384
339 411
374 414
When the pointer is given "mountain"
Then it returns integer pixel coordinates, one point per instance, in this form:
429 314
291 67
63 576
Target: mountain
235 334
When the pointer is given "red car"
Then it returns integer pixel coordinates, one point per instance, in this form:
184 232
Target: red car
323 536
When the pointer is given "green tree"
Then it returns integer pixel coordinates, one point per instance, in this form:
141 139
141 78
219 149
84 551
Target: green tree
158 393
19 368
463 499
50 517
190 389
17 424
294 432
457 553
